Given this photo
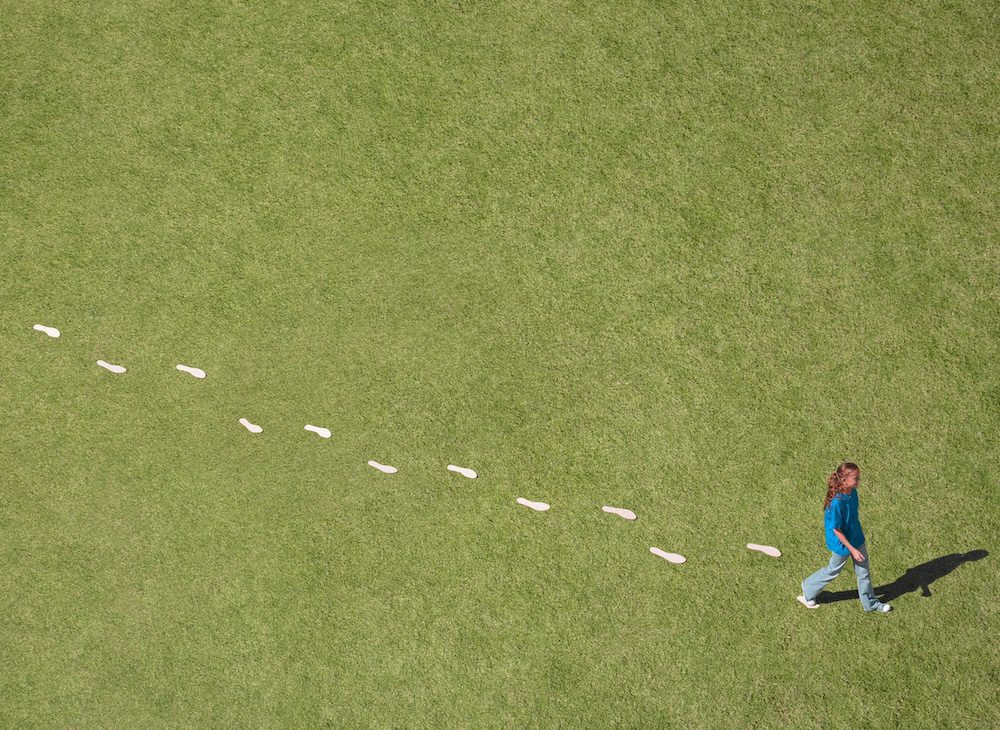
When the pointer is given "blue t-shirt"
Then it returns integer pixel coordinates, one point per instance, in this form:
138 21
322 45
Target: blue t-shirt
842 514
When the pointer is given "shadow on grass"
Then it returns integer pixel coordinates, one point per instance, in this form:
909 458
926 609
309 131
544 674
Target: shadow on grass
919 577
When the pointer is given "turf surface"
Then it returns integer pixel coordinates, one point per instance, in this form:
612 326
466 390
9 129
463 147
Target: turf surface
672 257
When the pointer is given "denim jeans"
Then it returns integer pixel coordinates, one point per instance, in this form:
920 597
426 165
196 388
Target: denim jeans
816 582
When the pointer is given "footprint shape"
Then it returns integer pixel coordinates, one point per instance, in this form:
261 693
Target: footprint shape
620 511
670 557
251 427
766 549
119 369
50 331
319 430
197 372
537 506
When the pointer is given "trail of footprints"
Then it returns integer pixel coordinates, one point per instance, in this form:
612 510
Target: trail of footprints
466 472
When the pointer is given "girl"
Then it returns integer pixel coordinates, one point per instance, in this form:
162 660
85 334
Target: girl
844 538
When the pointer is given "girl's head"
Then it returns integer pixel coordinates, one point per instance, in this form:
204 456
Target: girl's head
841 481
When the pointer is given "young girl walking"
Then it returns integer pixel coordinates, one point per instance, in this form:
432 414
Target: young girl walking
845 539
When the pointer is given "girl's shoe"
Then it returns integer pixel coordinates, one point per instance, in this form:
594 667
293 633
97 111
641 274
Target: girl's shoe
881 608
807 603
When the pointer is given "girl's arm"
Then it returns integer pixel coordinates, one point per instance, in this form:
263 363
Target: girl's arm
855 553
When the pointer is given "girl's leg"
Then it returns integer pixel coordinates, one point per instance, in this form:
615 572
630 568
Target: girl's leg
862 570
816 582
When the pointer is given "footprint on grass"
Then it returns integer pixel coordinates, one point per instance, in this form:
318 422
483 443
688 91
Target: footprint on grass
766 549
251 427
620 511
119 369
196 372
50 331
384 468
319 431
468 473
537 506
670 557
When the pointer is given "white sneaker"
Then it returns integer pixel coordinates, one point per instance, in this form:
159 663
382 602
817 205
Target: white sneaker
884 608
806 603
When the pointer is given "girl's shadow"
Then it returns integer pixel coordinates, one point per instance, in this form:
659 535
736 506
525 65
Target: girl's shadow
919 577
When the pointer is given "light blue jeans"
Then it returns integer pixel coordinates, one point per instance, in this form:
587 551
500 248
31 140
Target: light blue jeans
816 582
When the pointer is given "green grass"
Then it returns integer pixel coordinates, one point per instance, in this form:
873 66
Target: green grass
678 258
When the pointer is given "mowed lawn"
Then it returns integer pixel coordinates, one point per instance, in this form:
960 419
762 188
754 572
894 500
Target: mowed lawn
682 258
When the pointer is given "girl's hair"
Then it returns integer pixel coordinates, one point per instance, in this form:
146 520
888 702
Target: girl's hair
835 482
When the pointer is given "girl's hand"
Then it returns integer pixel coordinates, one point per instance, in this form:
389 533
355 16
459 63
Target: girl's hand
859 557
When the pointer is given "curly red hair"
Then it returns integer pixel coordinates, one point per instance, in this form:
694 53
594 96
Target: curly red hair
836 482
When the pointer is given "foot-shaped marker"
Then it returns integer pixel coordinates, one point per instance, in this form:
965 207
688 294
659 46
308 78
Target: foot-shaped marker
50 331
197 372
620 511
251 427
766 549
319 430
384 468
671 557
537 506
113 368
469 473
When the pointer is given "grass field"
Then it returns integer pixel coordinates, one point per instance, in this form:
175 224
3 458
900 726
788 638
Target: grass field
677 257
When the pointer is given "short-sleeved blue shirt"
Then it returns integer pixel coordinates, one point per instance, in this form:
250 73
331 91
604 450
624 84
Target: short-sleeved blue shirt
842 514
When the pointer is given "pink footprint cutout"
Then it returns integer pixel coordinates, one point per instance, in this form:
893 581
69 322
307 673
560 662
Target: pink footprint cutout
620 511
671 557
766 549
118 369
196 372
251 427
318 430
50 331
537 506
